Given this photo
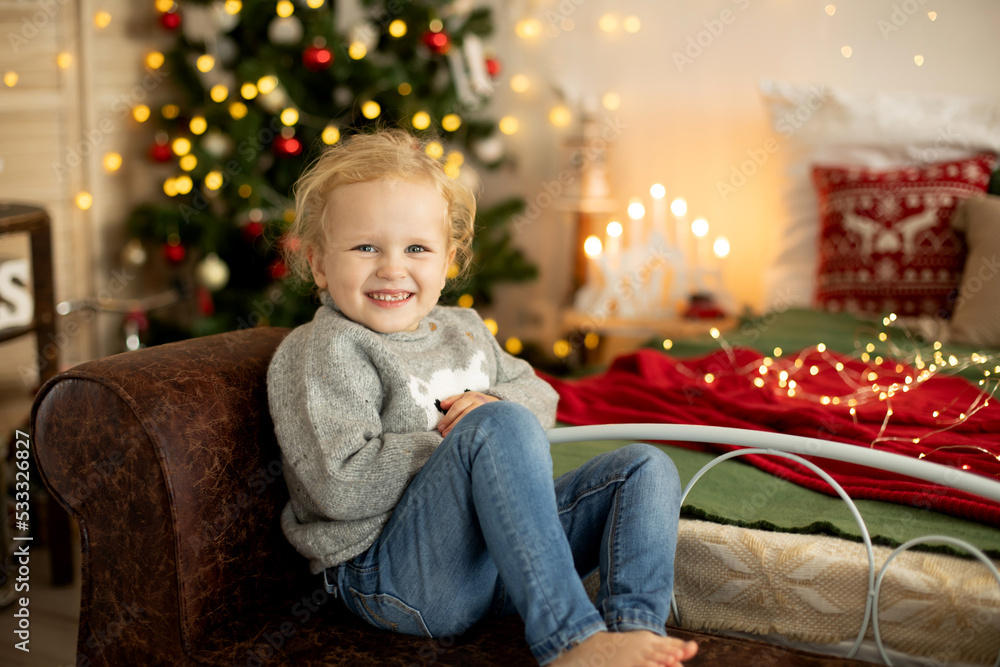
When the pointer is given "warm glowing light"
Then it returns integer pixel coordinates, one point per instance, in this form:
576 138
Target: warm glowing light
456 158
102 19
267 84
614 229
233 7
699 227
513 345
170 111
560 116
825 400
198 125
592 246
164 6
632 24
608 23
370 109
397 28
404 88
591 341
679 207
932 16
331 135
561 348
821 347
436 25
248 91
813 370
84 200
528 28
918 60
777 353
357 50
285 8
657 191
315 4
184 184
181 146
421 120
218 93
758 382
10 79
213 180
64 60
112 161
831 10
289 116
667 344
140 112
451 122
519 83
714 333
434 149
636 210
188 162
245 191
611 101
846 51
205 63
709 378
465 301
721 247
508 125
492 325
238 110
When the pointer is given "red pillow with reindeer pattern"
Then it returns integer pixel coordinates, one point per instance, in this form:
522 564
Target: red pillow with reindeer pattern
886 245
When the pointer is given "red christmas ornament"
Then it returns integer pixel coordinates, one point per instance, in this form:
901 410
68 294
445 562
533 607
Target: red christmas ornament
160 152
205 304
287 147
170 20
252 230
317 58
174 253
493 66
438 42
278 269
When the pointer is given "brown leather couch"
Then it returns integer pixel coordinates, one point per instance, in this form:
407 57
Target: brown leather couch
166 458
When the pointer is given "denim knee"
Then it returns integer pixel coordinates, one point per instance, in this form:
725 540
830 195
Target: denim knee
509 425
653 464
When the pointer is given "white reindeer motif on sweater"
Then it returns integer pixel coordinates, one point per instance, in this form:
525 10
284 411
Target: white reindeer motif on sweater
448 382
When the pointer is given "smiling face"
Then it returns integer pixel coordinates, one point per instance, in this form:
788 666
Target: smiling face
386 254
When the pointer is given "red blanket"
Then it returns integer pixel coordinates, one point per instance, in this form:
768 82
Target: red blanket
947 419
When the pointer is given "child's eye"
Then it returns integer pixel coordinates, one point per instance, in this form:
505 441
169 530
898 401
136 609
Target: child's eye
365 247
416 249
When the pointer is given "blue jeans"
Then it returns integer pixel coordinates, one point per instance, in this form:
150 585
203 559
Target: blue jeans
482 530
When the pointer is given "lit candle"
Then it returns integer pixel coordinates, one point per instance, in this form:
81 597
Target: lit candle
614 230
636 212
699 227
679 208
658 192
592 248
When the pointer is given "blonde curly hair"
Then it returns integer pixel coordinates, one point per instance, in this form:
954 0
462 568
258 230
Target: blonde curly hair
363 158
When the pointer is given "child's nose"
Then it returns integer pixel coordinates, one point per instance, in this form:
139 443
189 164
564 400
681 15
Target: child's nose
391 268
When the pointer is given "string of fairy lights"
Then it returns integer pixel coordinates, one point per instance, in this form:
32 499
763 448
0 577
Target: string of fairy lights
878 378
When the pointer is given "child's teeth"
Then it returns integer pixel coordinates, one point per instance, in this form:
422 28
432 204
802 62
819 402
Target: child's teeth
389 297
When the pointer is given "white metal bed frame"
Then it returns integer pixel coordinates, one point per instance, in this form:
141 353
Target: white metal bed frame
792 447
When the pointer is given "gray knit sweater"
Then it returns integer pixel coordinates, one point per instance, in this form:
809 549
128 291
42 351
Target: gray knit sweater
354 414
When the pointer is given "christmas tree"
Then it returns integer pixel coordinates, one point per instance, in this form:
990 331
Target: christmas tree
260 87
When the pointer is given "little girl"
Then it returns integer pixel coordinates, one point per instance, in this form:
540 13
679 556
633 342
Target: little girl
414 447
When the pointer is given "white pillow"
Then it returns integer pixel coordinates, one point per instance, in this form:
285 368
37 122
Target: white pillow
825 125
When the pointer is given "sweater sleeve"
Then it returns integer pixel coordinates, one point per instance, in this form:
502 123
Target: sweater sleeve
326 397
517 382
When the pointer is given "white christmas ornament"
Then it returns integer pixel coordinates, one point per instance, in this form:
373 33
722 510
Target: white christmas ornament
204 23
212 272
365 33
274 101
217 144
285 30
489 150
134 253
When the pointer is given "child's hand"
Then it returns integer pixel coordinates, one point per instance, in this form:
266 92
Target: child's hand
458 406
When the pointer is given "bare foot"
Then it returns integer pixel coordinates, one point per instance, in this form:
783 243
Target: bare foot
638 648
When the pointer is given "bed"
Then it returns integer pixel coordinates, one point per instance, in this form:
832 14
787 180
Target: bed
883 336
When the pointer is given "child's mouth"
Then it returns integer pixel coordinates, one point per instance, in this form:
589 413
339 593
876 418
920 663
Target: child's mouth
389 297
